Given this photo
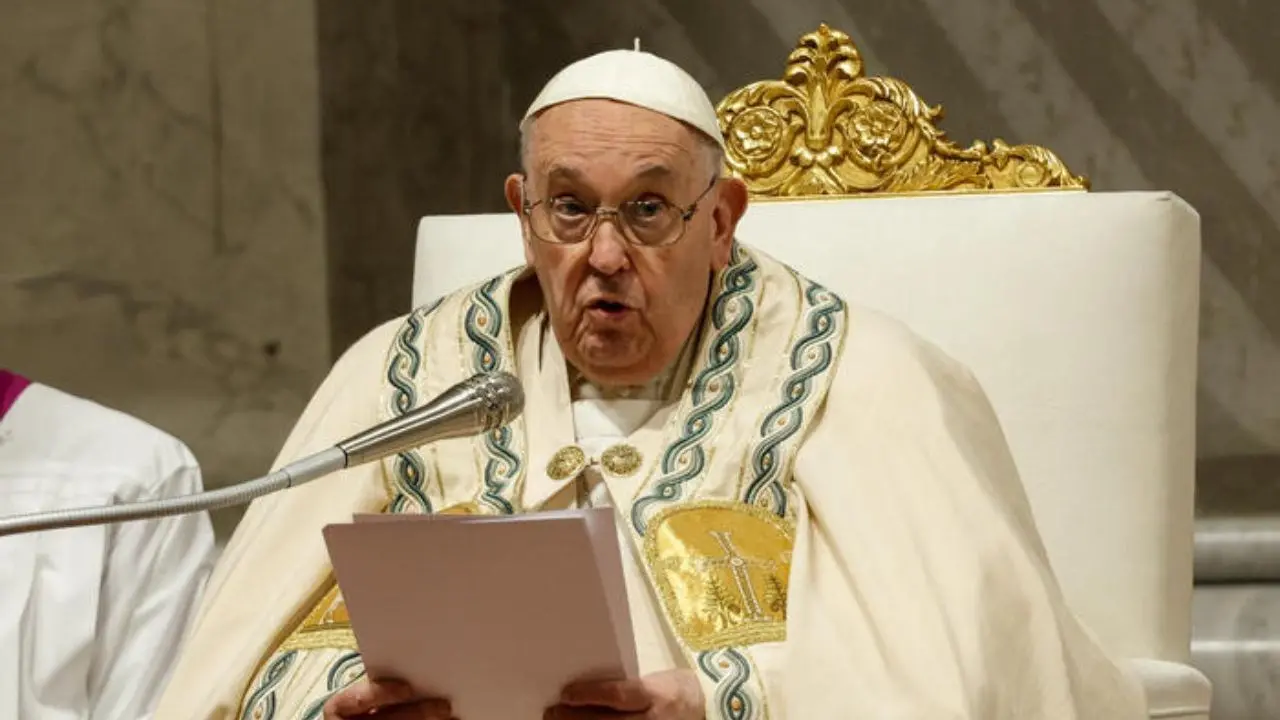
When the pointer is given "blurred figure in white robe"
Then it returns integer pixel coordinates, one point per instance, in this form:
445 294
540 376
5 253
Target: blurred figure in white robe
92 618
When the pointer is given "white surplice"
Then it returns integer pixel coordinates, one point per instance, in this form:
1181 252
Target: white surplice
91 618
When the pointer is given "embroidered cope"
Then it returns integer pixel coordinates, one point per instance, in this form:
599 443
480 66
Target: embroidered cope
820 520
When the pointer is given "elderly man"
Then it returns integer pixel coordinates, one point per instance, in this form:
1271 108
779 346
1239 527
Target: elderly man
821 516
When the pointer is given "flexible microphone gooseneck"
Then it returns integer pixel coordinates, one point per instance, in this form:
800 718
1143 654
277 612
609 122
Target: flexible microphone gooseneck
478 404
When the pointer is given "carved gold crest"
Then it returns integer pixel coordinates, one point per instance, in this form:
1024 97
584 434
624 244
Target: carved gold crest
826 128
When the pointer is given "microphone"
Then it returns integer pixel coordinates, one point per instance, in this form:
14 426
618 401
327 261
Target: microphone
478 404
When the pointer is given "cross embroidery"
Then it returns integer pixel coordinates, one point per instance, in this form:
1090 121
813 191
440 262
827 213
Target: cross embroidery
740 567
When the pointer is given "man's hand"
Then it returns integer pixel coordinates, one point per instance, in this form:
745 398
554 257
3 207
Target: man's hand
670 695
384 700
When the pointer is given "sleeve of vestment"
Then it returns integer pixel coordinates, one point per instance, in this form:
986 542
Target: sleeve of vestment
920 587
151 584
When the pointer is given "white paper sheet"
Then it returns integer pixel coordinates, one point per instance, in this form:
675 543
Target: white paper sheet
496 613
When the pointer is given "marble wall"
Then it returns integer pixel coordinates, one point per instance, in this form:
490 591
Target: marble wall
414 98
161 224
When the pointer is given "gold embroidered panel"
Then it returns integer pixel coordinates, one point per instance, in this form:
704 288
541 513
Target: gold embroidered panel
721 570
327 625
826 128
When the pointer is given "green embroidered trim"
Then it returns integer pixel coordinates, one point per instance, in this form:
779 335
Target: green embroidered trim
409 475
713 387
262 703
811 359
737 694
483 324
348 668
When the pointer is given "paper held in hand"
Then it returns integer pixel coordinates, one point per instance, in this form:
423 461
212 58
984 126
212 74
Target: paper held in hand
495 613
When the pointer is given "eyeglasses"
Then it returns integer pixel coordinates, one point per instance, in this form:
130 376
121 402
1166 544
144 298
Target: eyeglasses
648 221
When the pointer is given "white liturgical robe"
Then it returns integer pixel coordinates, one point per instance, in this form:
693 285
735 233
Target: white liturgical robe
91 618
821 521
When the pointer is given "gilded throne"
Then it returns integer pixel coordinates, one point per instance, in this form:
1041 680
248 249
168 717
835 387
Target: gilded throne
1077 310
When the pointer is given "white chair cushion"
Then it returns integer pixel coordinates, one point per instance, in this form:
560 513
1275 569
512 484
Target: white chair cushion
1077 311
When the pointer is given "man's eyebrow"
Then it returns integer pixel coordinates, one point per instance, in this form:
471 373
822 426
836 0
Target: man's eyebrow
655 172
648 172
563 172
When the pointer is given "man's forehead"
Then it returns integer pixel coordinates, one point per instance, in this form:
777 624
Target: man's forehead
562 168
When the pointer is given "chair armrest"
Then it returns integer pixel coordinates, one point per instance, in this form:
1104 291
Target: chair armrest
1174 690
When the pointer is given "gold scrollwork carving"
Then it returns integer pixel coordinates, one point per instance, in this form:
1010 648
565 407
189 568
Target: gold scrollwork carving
826 128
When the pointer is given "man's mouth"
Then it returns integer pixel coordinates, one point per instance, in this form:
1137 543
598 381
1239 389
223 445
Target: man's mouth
608 307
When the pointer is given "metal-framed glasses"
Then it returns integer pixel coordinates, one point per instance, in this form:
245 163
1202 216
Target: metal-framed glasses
647 221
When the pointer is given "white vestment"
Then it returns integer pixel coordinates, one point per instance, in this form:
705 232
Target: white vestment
825 523
92 618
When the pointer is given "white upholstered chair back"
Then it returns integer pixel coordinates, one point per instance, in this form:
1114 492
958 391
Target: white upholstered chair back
1077 311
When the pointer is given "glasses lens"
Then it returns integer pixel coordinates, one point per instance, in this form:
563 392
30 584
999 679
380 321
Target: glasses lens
643 222
562 221
652 222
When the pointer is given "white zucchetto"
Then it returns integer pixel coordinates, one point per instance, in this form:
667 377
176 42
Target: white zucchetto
636 78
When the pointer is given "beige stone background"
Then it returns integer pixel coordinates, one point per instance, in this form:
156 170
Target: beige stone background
202 202
161 226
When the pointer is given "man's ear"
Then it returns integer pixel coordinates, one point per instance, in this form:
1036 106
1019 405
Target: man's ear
514 191
731 204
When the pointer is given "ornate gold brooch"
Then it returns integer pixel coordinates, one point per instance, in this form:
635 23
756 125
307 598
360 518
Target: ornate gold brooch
567 462
621 460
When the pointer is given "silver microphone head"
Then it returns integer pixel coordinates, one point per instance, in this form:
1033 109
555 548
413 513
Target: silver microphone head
478 404
502 398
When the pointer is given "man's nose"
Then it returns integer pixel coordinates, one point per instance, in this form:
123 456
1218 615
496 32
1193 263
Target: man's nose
608 248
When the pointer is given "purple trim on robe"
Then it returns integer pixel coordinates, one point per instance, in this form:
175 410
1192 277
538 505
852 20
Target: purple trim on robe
11 386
